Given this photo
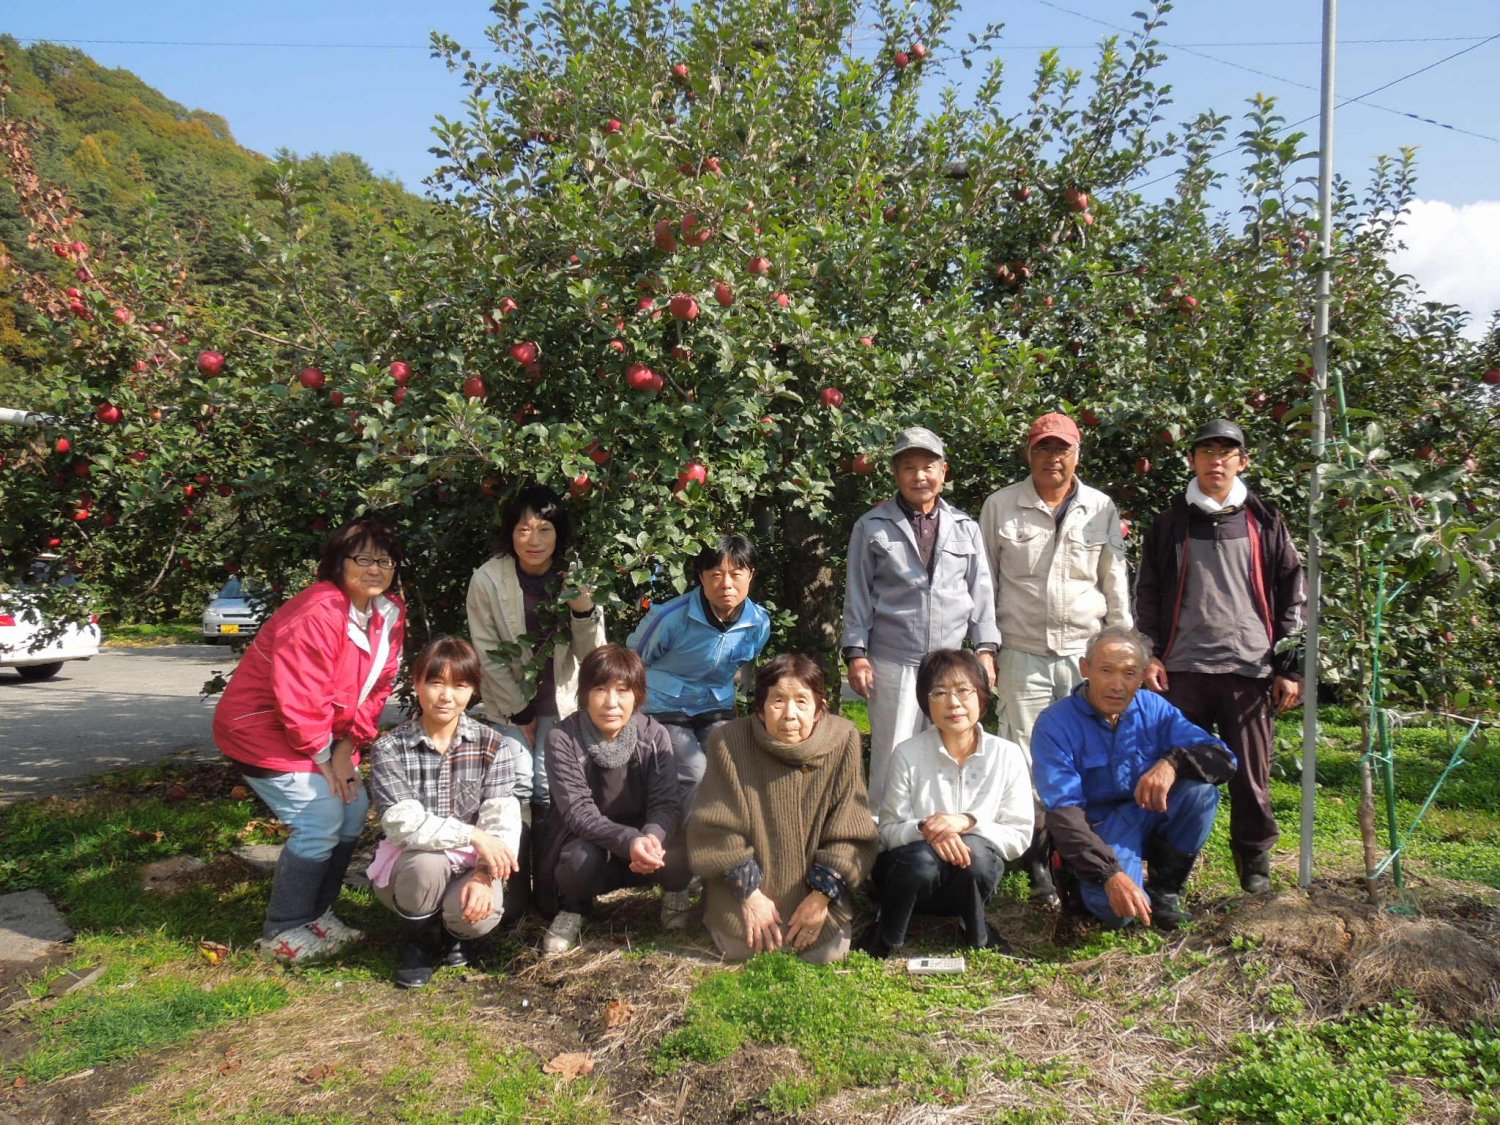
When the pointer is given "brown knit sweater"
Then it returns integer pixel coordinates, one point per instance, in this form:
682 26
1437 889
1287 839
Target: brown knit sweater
789 805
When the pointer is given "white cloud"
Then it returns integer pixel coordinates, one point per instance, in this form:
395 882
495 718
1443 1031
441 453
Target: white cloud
1453 253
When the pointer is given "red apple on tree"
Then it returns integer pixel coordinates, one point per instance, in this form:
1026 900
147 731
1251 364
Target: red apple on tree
1088 417
680 72
1143 465
900 59
108 413
311 378
473 387
63 445
693 472
400 372
123 315
612 126
664 237
918 50
863 465
723 294
1492 376
683 306
524 353
399 395
336 398
781 299
597 453
1076 200
831 397
580 487
759 266
639 377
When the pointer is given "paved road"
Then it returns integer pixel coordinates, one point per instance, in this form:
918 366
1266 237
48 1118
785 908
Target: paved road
123 708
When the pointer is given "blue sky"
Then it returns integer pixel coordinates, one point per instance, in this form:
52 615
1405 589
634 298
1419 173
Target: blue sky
337 75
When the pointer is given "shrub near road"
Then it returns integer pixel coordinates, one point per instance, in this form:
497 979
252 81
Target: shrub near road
698 265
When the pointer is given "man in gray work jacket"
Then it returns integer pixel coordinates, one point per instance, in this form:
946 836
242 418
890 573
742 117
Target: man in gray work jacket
918 581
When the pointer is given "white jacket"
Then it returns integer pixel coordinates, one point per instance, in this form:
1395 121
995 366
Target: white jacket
993 786
1055 588
497 615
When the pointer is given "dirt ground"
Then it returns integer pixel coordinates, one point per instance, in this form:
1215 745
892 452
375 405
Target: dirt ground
1333 949
1107 1029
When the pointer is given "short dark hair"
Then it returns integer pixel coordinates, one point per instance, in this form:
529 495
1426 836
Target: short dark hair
735 547
450 656
942 663
793 665
612 664
541 502
349 538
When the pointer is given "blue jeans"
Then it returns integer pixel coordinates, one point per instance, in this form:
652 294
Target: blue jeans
318 819
541 792
1185 826
688 741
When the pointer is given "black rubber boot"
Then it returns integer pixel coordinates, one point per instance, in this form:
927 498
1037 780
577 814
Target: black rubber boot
1167 871
871 943
1254 869
1036 860
454 953
416 956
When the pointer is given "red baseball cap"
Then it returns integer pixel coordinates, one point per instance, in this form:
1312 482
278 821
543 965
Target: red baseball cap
1053 426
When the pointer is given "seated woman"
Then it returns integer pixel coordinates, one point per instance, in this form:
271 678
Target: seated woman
445 793
617 818
781 832
957 805
692 647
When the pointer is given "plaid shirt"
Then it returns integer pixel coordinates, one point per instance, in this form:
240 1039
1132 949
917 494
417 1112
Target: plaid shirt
433 801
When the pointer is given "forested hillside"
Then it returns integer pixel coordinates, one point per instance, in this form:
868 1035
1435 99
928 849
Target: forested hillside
146 171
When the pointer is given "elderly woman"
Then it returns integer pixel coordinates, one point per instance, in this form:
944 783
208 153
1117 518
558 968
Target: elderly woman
306 697
515 610
618 816
445 793
693 647
782 833
957 806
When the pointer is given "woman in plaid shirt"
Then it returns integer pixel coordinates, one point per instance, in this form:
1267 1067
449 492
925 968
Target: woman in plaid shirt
444 788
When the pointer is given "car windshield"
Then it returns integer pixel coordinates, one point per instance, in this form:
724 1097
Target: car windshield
236 589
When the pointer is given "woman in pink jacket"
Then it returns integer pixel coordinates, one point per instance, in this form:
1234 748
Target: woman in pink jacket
306 697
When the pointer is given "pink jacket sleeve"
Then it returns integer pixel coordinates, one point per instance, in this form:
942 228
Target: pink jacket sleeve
304 675
366 723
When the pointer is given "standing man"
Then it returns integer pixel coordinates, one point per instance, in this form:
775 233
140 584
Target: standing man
917 582
1219 591
1057 556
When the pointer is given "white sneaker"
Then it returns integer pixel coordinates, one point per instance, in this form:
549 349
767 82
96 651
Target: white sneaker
299 946
562 935
676 906
330 925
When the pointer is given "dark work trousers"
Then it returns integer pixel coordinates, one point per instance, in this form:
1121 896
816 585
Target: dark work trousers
913 879
1238 710
585 871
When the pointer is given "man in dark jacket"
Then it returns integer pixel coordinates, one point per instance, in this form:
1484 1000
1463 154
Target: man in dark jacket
1220 594
1130 786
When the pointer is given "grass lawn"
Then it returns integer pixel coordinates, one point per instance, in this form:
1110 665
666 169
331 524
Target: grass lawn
1261 1011
184 632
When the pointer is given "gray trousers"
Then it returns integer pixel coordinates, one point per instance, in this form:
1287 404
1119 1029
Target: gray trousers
425 883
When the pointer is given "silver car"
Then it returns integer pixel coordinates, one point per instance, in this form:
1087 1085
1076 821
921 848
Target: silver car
233 614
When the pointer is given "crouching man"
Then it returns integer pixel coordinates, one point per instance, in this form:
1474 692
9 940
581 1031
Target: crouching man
1129 785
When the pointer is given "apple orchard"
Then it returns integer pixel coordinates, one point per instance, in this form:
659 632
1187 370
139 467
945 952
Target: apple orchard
694 265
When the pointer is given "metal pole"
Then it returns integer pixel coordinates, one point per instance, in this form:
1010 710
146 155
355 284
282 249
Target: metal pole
1320 434
10 417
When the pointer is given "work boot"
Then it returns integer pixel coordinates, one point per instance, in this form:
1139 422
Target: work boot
416 956
1167 871
1254 870
1036 860
455 953
563 934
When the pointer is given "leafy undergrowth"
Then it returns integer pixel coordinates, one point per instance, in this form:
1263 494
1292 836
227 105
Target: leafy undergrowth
1253 1014
184 632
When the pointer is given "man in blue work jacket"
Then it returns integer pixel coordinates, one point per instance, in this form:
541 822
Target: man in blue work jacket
1129 785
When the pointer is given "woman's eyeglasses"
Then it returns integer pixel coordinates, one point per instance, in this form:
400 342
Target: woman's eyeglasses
365 562
942 694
